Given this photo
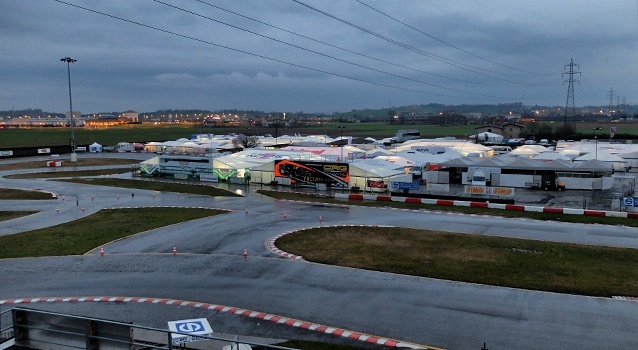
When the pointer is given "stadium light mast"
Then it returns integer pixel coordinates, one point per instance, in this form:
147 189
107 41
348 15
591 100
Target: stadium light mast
68 61
596 130
341 127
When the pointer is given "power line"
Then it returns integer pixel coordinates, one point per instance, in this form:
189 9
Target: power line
447 43
248 52
342 48
570 108
319 53
408 47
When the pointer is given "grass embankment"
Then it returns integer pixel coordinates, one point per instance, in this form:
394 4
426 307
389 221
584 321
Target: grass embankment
580 219
518 263
9 193
81 162
156 186
8 215
83 235
68 173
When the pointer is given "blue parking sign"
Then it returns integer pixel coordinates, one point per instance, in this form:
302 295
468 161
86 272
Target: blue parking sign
629 202
189 330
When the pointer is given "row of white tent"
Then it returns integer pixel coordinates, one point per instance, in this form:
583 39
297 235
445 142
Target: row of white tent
375 161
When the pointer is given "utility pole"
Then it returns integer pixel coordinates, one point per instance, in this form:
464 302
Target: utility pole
570 109
611 102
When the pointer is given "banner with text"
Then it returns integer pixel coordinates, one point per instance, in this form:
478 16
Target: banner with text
490 191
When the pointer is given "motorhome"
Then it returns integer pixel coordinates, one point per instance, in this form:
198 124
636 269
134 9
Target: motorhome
501 150
405 135
124 147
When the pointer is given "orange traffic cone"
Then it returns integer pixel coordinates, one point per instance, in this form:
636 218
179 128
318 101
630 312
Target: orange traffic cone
101 251
83 208
57 209
174 251
285 216
246 211
319 218
245 253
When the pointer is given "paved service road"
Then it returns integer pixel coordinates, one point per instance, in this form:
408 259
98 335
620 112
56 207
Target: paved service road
210 268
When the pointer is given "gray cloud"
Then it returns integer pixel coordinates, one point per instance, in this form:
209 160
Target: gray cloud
126 66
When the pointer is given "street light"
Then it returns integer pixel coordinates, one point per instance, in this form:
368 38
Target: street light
596 130
341 127
68 61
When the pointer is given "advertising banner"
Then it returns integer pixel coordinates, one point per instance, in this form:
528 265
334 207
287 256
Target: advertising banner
377 184
309 174
208 177
400 185
490 191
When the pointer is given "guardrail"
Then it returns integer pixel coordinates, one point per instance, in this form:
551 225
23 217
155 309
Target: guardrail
37 329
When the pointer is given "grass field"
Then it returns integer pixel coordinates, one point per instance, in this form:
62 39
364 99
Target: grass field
67 164
68 173
177 187
8 215
517 263
83 235
145 133
9 193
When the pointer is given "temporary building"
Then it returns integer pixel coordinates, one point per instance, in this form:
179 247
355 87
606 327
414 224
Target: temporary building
373 175
549 156
434 146
260 163
603 156
489 137
95 147
335 153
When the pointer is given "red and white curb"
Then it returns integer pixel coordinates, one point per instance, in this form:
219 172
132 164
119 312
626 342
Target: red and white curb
170 206
514 207
270 243
625 298
344 333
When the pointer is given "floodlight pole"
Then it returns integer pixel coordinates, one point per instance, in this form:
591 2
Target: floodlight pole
68 61
341 127
596 130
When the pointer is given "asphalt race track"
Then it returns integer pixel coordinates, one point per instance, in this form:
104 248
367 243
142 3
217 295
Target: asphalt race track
209 267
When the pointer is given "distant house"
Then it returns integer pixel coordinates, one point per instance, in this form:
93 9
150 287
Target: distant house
507 130
131 116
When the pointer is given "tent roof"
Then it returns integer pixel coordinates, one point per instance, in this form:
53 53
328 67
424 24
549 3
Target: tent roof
488 163
462 162
522 163
377 167
253 157
602 155
550 156
593 165
398 161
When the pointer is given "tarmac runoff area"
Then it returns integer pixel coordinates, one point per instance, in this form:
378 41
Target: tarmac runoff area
109 308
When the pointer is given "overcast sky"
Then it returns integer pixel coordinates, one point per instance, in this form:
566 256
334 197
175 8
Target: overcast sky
313 55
